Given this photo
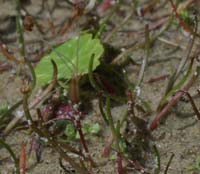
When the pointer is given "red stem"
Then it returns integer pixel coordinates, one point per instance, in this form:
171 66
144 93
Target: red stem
154 124
183 25
79 128
119 163
22 159
83 142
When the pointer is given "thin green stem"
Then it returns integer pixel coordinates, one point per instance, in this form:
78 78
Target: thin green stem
9 111
168 164
115 133
105 20
142 45
118 27
157 170
102 111
145 60
109 117
19 28
12 154
179 85
182 63
90 74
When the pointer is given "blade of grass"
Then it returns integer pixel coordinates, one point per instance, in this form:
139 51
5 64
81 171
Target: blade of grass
157 170
169 162
102 111
182 63
145 60
178 86
12 154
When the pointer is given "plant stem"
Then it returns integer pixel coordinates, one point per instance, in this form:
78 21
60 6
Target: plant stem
157 170
142 45
182 64
117 28
9 111
109 117
105 20
12 154
90 74
154 124
115 134
145 60
169 162
102 111
19 28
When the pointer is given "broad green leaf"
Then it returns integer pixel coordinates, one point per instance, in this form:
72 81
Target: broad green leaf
67 61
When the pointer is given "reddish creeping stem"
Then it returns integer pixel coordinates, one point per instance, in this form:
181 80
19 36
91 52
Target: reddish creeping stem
183 25
119 163
104 6
22 159
157 79
171 103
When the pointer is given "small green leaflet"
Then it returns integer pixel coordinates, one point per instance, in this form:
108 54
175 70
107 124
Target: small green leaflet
66 59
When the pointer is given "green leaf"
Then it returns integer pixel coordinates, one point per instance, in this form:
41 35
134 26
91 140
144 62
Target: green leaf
86 128
113 157
122 146
72 58
95 128
91 128
70 131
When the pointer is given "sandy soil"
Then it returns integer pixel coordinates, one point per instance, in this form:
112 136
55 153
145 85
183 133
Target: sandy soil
181 131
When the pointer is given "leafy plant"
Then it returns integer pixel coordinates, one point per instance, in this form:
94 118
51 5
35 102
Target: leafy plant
71 57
